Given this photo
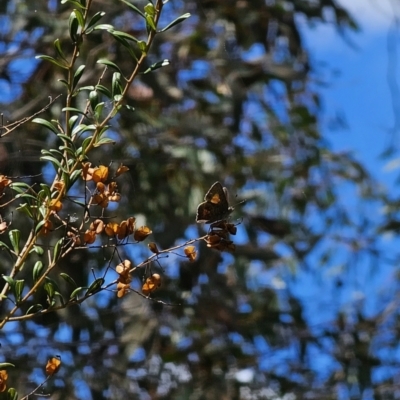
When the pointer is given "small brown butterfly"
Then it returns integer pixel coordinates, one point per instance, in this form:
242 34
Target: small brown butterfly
215 206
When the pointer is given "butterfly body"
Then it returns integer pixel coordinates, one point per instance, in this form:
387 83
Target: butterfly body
215 206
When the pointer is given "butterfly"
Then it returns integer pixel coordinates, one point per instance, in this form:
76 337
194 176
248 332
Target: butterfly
215 206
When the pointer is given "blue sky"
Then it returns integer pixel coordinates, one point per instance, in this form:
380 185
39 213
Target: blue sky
356 68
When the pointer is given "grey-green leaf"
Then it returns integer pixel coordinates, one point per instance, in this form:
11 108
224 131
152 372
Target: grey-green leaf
46 123
37 271
176 21
15 236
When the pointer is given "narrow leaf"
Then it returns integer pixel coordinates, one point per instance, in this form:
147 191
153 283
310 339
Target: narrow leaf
57 165
78 75
49 288
104 141
52 60
134 8
59 51
12 394
19 287
6 365
34 309
104 90
9 280
109 64
96 17
38 250
39 226
73 26
176 22
73 109
68 279
37 271
57 249
79 17
46 123
95 286
74 294
150 22
15 236
156 65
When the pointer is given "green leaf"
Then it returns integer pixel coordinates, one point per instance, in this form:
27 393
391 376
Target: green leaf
104 90
156 65
6 365
78 75
65 137
38 250
93 99
65 178
34 309
86 143
104 141
47 124
10 281
123 35
2 244
142 46
37 271
26 209
118 36
26 196
15 236
53 283
74 176
59 295
88 88
104 27
57 165
95 286
16 185
96 17
59 51
19 287
73 2
150 9
52 60
150 22
73 110
116 87
176 22
98 111
71 123
42 210
70 151
109 63
57 249
64 82
49 288
73 24
74 294
46 189
79 17
134 8
68 279
12 394
39 226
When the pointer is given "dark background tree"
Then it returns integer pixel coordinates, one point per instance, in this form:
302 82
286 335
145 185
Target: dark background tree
236 104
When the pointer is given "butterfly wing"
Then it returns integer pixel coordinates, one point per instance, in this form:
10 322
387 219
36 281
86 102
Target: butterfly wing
215 206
